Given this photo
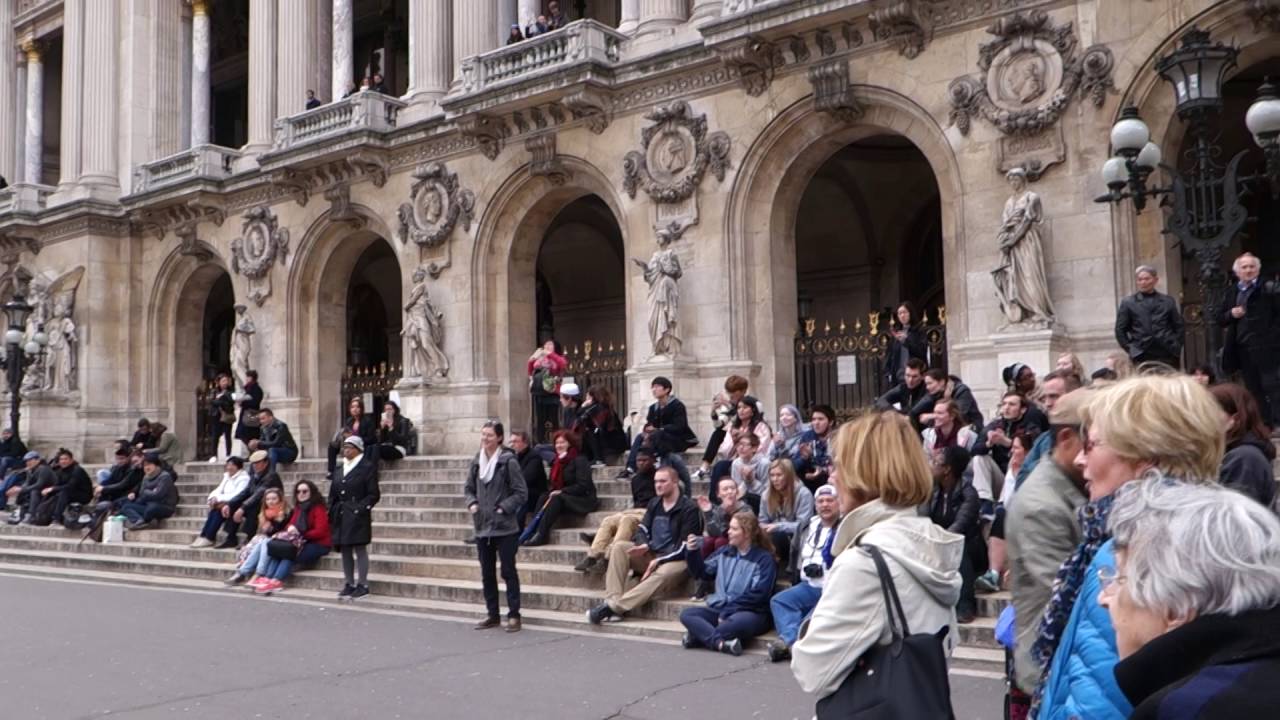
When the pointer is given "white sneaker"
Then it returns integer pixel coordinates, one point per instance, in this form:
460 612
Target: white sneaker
202 542
213 460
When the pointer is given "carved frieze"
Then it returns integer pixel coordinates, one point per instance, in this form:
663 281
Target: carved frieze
903 25
833 93
591 106
261 243
1029 75
545 162
437 203
676 152
488 132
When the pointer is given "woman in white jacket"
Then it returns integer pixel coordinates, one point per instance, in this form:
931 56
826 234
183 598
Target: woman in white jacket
881 477
234 480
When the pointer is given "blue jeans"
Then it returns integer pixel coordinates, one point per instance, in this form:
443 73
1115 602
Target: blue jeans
280 455
215 521
278 569
256 562
708 629
144 512
790 607
9 482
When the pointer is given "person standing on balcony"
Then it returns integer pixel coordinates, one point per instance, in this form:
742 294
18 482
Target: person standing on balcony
312 101
1148 324
514 35
556 18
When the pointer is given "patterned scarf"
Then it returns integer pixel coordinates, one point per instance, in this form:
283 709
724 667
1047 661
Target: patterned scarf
1066 588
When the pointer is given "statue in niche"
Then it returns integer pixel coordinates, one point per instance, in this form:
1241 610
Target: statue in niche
424 328
60 371
241 346
662 273
53 302
1021 283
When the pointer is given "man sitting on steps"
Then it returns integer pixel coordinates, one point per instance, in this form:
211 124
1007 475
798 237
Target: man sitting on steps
623 524
657 551
243 508
38 476
275 438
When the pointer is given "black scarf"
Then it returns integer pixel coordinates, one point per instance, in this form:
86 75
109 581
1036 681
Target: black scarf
304 509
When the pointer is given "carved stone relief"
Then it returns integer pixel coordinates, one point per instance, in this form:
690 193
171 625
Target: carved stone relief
902 25
340 210
755 60
676 152
53 301
833 93
437 203
242 346
424 331
545 162
488 132
590 106
1029 75
261 243
1265 15
190 245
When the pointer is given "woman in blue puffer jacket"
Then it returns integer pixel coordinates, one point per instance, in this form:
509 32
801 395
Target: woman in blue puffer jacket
1153 424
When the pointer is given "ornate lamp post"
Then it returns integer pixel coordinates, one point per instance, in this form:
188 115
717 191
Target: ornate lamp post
18 357
1205 201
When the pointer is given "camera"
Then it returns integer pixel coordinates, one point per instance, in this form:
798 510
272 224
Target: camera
813 571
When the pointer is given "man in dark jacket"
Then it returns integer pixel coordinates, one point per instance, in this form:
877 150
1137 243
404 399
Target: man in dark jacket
72 487
275 438
11 451
657 551
1250 312
155 500
955 507
142 438
534 471
939 385
243 508
38 477
666 430
124 478
1148 323
907 394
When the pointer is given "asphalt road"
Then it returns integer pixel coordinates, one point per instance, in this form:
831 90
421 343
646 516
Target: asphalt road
89 650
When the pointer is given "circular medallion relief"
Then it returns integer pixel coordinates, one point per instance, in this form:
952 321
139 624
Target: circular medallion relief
1024 75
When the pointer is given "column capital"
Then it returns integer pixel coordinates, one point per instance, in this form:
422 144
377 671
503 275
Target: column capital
32 48
200 7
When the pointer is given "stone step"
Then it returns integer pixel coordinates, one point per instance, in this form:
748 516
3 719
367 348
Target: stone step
418 485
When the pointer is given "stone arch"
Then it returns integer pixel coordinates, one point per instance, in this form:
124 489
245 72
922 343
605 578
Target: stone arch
759 225
175 314
315 318
509 235
1139 238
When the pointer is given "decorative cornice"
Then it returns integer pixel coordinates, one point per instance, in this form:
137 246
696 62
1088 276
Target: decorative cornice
833 93
902 25
544 161
488 133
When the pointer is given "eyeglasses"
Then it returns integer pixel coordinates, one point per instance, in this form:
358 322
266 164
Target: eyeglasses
1108 577
303 491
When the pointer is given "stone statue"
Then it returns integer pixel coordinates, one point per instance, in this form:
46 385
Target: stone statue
241 346
60 369
424 328
1020 280
53 302
661 273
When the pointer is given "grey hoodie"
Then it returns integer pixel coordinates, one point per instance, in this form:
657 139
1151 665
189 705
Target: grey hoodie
924 560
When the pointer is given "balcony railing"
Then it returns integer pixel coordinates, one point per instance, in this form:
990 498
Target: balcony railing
24 198
362 111
203 162
584 41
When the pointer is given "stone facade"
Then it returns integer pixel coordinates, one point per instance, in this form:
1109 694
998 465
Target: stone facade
466 173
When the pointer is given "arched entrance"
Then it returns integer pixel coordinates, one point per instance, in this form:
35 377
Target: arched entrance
581 295
205 305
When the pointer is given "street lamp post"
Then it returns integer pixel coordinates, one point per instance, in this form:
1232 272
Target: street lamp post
17 356
1206 211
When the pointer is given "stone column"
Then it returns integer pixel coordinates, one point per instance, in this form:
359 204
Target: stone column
101 94
72 91
303 53
508 15
658 16
630 16
33 145
343 42
474 31
704 10
529 11
430 49
8 94
168 94
201 50
262 75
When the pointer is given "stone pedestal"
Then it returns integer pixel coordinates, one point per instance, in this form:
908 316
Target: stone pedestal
979 363
447 415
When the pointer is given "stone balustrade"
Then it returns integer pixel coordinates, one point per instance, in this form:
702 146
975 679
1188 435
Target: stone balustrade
204 162
24 198
368 111
581 42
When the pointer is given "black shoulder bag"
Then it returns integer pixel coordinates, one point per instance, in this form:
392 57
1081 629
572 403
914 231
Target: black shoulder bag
904 680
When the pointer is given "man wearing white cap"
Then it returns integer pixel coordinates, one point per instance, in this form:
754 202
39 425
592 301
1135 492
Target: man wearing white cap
812 555
570 405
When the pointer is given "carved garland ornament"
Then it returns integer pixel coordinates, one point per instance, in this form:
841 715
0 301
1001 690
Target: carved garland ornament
262 241
436 203
677 152
1029 75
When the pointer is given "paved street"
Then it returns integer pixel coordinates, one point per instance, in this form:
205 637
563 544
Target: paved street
80 650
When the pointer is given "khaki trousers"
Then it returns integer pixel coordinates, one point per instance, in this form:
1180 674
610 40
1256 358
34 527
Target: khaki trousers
621 526
622 599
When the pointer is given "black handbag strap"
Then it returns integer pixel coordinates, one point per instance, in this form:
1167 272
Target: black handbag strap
891 602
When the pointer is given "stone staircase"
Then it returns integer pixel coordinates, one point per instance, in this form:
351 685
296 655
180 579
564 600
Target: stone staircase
419 560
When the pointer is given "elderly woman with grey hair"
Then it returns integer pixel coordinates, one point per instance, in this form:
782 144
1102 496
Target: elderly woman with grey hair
1194 598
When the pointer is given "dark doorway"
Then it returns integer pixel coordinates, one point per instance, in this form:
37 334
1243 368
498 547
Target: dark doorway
373 308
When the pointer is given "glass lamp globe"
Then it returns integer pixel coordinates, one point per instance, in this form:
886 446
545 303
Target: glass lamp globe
32 348
41 338
1148 157
1263 118
1129 135
1115 173
13 336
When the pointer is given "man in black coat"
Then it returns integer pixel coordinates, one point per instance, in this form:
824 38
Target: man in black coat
72 486
1148 323
907 394
274 437
1250 313
11 451
39 477
243 508
666 431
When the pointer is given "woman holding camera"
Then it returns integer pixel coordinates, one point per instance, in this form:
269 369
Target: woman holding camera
744 572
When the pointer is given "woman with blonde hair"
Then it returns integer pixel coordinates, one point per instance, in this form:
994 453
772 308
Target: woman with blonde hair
1119 363
786 506
1070 362
881 477
1161 425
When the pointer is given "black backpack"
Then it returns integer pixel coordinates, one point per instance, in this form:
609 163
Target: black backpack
904 680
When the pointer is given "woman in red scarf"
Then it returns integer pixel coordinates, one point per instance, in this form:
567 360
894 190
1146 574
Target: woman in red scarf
571 487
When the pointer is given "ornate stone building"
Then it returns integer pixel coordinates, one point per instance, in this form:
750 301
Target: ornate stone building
695 183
